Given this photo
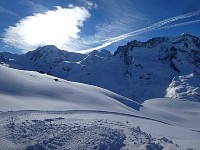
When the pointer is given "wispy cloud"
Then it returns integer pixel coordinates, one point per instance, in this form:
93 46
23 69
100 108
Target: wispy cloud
118 18
88 4
52 27
34 7
7 11
156 26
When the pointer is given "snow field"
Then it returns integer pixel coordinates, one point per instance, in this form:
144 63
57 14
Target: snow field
73 133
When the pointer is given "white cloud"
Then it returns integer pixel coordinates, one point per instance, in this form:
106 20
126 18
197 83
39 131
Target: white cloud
52 27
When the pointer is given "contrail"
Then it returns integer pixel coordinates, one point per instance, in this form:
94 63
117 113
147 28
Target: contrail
179 24
156 26
184 16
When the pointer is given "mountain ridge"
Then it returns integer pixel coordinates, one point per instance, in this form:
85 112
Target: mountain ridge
159 67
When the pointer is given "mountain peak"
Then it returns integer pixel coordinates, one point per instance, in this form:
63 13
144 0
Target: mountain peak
101 53
186 35
47 48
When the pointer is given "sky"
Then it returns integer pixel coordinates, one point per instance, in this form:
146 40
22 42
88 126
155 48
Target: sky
83 25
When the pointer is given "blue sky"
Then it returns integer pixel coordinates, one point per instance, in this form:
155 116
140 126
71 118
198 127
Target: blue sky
83 25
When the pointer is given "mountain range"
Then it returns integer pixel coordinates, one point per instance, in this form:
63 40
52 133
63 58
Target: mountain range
143 96
160 67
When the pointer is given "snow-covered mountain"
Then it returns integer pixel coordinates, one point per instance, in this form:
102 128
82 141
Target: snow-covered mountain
42 110
159 67
39 111
159 63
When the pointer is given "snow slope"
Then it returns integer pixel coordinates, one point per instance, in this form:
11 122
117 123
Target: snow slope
178 112
39 111
24 90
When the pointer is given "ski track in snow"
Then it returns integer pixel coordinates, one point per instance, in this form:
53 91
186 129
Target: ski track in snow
96 111
20 130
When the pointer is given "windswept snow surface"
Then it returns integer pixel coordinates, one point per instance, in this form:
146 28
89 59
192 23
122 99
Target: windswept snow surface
187 86
23 90
78 130
39 111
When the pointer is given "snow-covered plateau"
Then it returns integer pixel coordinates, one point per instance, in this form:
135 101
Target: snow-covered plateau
144 97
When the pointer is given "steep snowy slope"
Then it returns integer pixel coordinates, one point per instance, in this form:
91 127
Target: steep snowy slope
23 90
154 64
159 67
